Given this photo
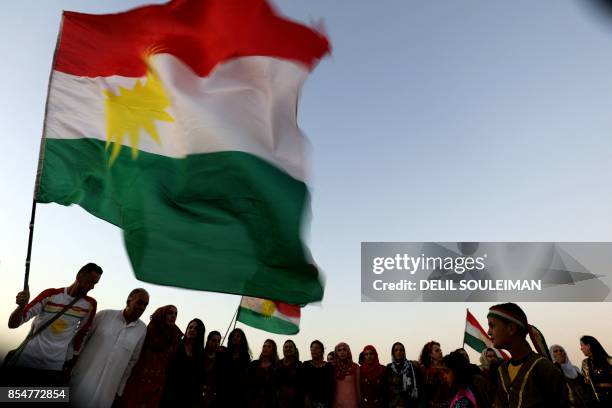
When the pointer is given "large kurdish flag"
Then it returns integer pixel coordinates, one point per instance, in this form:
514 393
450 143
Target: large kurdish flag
177 123
269 315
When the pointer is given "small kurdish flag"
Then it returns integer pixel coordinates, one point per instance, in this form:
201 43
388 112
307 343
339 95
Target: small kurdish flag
178 123
269 315
477 338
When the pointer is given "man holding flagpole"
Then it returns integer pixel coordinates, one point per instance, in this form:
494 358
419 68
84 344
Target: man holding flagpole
62 318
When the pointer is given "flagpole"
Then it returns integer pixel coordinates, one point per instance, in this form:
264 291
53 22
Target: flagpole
41 157
465 327
29 254
230 324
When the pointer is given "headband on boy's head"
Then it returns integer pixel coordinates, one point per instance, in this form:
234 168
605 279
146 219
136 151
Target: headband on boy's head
509 314
503 313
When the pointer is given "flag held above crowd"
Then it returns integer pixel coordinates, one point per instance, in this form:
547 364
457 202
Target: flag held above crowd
269 315
477 338
177 123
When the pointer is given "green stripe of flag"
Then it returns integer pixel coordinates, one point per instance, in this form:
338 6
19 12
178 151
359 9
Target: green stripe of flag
226 221
474 342
268 323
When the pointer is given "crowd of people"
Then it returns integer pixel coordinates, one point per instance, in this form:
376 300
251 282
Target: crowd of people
111 358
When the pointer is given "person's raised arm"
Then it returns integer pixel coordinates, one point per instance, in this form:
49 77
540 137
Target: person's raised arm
16 318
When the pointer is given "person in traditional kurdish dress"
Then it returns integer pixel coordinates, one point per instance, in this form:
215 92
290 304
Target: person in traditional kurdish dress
261 378
185 371
372 380
580 393
347 378
146 383
318 378
527 379
210 370
402 379
234 363
597 369
289 378
436 391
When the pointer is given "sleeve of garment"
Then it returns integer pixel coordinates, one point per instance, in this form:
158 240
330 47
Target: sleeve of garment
331 381
84 326
36 306
554 384
83 342
133 360
585 369
501 399
358 382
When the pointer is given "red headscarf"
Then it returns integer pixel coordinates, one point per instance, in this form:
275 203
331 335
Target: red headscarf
344 367
373 370
160 335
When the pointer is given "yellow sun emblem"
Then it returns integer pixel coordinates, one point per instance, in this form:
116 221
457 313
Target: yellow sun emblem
134 109
267 308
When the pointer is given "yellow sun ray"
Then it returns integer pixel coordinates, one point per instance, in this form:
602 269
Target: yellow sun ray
131 110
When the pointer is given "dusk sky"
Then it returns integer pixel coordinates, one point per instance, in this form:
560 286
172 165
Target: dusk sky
430 121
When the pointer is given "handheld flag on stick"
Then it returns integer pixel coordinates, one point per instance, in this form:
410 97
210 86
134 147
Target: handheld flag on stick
477 338
269 315
177 123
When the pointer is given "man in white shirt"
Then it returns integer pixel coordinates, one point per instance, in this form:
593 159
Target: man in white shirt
109 354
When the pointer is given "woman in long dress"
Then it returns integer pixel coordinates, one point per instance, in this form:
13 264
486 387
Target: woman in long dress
597 369
184 373
261 378
436 390
372 380
289 381
318 378
580 393
210 370
347 378
234 363
402 378
146 383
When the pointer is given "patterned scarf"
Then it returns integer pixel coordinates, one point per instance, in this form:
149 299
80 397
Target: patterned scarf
405 369
374 370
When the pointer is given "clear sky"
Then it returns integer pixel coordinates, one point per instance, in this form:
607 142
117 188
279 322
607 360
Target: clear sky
431 121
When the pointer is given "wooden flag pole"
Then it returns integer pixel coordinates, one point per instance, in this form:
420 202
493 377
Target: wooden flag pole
230 325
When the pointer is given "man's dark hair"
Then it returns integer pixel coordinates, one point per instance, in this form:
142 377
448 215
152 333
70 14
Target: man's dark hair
516 311
136 291
90 267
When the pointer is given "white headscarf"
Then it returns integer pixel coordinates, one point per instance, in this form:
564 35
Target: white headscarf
569 370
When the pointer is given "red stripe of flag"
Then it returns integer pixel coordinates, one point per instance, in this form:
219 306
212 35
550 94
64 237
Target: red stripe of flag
287 309
472 320
201 33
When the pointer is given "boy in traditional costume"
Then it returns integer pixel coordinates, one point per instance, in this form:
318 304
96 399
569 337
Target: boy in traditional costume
528 379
